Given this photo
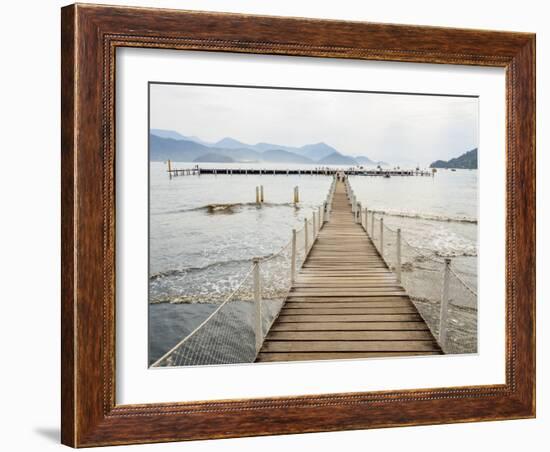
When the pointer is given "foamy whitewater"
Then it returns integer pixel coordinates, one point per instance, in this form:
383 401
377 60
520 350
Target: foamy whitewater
204 231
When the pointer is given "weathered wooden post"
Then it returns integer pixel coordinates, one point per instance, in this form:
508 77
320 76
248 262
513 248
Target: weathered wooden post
366 219
372 225
444 311
319 218
293 261
398 256
296 195
382 237
258 330
306 239
313 228
170 166
257 195
262 194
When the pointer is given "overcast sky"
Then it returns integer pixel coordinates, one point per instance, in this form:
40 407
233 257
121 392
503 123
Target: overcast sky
390 127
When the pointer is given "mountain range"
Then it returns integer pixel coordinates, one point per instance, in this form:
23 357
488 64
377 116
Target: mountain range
171 145
468 160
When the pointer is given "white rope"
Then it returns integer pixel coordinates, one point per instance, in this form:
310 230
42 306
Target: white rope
287 244
186 338
419 252
390 229
179 346
463 282
277 253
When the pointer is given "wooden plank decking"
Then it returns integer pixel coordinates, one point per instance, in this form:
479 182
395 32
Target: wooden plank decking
346 302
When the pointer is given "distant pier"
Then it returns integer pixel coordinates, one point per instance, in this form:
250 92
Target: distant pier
282 172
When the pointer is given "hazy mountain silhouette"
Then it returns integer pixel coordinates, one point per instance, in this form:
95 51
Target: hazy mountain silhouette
177 136
162 149
231 143
468 160
171 145
279 155
317 151
337 159
213 157
362 160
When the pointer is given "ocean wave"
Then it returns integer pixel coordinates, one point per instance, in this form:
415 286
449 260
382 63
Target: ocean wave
229 208
439 246
427 216
268 297
471 252
185 270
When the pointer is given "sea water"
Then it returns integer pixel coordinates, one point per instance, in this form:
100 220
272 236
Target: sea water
436 214
205 230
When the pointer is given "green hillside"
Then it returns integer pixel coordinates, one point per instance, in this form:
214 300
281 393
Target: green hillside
465 161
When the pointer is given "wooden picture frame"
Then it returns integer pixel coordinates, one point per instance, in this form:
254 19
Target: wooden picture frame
90 36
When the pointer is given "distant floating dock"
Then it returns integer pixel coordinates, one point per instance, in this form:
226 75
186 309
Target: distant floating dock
286 172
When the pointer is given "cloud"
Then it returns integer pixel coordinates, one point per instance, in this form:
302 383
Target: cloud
393 127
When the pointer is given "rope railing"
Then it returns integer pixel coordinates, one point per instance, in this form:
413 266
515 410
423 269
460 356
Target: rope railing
185 352
444 299
461 281
235 330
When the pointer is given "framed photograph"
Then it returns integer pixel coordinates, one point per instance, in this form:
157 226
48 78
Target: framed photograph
282 225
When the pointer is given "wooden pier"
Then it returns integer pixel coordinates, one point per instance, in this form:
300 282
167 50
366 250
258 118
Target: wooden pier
345 302
322 171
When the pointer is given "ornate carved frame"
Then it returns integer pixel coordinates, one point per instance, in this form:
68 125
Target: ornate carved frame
90 36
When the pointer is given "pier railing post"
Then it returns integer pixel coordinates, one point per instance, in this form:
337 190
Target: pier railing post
398 256
306 239
372 225
257 195
366 219
319 219
262 194
258 330
293 259
444 310
313 227
382 237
